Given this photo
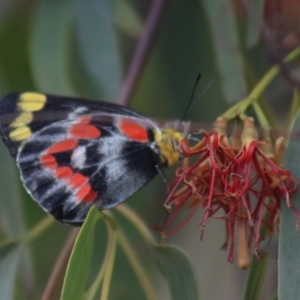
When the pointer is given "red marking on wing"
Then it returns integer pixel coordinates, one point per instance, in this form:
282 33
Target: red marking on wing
91 197
133 130
49 161
78 180
83 192
84 131
63 172
68 144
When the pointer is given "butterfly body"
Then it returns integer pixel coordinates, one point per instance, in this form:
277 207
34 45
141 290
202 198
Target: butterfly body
74 153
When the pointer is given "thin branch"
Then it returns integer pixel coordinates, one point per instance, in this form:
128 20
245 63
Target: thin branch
143 50
60 266
110 258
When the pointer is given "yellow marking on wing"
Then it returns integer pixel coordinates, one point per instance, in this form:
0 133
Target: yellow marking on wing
32 102
168 142
23 119
20 134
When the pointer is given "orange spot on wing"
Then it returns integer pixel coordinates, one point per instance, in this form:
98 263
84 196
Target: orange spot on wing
63 172
78 180
133 130
49 161
84 131
91 197
83 192
68 144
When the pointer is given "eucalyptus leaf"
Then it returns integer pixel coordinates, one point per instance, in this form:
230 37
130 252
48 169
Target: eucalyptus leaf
254 22
11 215
98 47
49 48
227 50
289 238
10 254
177 270
78 266
128 19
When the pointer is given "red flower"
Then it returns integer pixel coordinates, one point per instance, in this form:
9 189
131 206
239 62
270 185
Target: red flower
239 176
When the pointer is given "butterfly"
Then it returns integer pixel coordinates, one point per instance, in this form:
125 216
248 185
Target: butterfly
73 153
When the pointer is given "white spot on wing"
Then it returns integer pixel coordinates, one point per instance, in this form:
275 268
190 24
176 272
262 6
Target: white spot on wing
116 170
112 146
78 111
79 157
112 149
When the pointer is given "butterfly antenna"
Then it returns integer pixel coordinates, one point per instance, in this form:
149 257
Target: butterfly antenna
204 91
192 96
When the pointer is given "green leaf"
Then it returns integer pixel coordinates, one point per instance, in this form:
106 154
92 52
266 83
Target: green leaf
227 49
15 75
98 47
256 275
49 47
12 220
77 270
176 268
289 238
254 22
11 214
14 32
10 254
128 19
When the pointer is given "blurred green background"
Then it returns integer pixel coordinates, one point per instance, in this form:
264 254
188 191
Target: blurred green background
84 48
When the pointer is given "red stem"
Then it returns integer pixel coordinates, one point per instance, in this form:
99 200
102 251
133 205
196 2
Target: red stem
142 50
60 266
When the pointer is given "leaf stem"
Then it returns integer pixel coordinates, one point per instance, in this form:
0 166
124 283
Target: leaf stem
241 107
91 293
39 229
262 120
109 262
108 258
137 222
137 268
295 106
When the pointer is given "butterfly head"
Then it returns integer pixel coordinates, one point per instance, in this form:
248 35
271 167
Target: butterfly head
168 142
